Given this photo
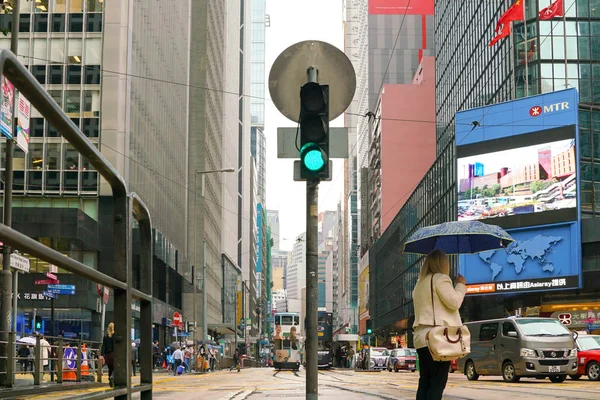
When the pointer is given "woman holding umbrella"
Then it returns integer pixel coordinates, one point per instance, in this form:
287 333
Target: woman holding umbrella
434 293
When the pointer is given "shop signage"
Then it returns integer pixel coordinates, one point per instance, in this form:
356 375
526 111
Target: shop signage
32 296
577 319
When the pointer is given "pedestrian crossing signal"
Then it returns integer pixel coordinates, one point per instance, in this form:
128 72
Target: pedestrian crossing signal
38 323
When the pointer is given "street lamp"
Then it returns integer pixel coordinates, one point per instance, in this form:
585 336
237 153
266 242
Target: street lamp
204 297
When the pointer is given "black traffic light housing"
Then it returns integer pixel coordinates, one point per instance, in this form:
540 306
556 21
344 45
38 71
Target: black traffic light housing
314 131
369 326
37 323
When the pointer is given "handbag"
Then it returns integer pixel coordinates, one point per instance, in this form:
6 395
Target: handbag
447 343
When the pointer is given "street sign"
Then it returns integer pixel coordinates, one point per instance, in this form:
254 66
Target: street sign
18 262
177 320
45 282
61 287
51 276
48 294
104 292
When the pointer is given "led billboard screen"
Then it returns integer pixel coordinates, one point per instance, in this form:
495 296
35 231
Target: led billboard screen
401 7
541 258
517 167
533 179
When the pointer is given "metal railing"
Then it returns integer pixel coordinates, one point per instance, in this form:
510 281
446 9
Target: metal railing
125 207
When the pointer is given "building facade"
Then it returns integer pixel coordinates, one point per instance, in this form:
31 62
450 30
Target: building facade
492 76
296 274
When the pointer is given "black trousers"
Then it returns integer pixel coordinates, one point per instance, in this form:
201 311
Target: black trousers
433 376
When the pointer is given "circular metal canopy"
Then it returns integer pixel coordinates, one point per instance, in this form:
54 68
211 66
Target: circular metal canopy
289 73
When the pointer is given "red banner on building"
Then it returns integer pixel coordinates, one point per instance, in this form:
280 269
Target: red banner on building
409 7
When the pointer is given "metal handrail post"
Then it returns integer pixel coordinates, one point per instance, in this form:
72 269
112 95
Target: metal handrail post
60 352
141 213
37 361
78 362
10 361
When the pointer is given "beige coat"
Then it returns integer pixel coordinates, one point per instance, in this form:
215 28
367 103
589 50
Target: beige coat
447 300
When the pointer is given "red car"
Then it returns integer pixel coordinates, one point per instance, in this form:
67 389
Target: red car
588 357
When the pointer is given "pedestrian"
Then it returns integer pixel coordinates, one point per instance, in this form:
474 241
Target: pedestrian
434 292
177 359
44 355
134 357
108 352
351 357
344 357
236 360
23 356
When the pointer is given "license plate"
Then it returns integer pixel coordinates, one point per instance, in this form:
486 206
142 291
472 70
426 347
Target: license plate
554 369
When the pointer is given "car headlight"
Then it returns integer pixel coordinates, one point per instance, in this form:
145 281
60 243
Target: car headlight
573 353
528 353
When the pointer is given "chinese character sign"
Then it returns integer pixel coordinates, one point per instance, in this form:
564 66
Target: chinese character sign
23 123
6 108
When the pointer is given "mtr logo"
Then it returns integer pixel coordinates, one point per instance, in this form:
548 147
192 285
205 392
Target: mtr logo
536 111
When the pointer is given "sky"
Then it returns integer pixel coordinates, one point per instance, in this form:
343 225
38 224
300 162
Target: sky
512 158
294 21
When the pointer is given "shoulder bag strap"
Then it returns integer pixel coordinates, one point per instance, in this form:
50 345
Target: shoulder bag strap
432 302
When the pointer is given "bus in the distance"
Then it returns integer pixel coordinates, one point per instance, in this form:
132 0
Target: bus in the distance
287 342
325 339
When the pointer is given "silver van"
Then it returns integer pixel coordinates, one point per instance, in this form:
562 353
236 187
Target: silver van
518 347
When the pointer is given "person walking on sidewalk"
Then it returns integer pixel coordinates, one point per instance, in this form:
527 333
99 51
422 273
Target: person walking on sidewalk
435 293
108 352
177 359
134 357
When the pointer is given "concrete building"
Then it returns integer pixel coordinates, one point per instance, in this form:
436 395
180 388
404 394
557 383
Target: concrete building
273 217
296 273
402 148
280 300
68 45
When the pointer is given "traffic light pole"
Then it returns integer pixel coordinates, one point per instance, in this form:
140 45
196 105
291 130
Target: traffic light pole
312 214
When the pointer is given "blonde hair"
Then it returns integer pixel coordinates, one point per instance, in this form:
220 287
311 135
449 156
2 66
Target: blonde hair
436 262
111 329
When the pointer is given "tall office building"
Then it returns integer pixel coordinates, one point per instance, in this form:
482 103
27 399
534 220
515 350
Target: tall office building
69 45
273 217
472 74
296 274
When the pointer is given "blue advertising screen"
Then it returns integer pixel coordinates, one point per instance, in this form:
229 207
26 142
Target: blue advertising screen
541 258
517 167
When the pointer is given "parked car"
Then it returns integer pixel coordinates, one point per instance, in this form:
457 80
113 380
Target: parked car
453 366
378 357
520 347
402 359
588 357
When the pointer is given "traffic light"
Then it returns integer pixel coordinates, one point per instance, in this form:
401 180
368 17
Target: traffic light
369 327
27 321
38 323
314 131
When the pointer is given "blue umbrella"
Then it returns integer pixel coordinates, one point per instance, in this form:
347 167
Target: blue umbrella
458 237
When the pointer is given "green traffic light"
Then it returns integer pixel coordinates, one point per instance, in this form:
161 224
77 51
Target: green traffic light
369 331
312 157
38 326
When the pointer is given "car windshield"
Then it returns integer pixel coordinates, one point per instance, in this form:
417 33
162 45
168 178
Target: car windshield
589 343
379 352
542 327
406 353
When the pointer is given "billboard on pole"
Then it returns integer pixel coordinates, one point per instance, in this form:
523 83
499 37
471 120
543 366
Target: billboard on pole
6 108
23 113
401 7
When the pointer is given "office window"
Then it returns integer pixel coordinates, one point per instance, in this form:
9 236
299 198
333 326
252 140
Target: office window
41 6
57 50
40 22
71 159
93 51
75 22
36 127
94 22
74 52
73 102
94 5
40 52
56 96
58 6
39 73
74 74
92 74
90 127
76 6
58 23
36 156
24 22
91 103
56 75
53 156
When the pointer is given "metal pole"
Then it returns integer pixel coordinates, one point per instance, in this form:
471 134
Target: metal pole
204 297
7 283
526 51
15 302
195 267
312 213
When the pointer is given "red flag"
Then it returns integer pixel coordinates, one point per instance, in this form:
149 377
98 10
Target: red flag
516 12
555 9
501 33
